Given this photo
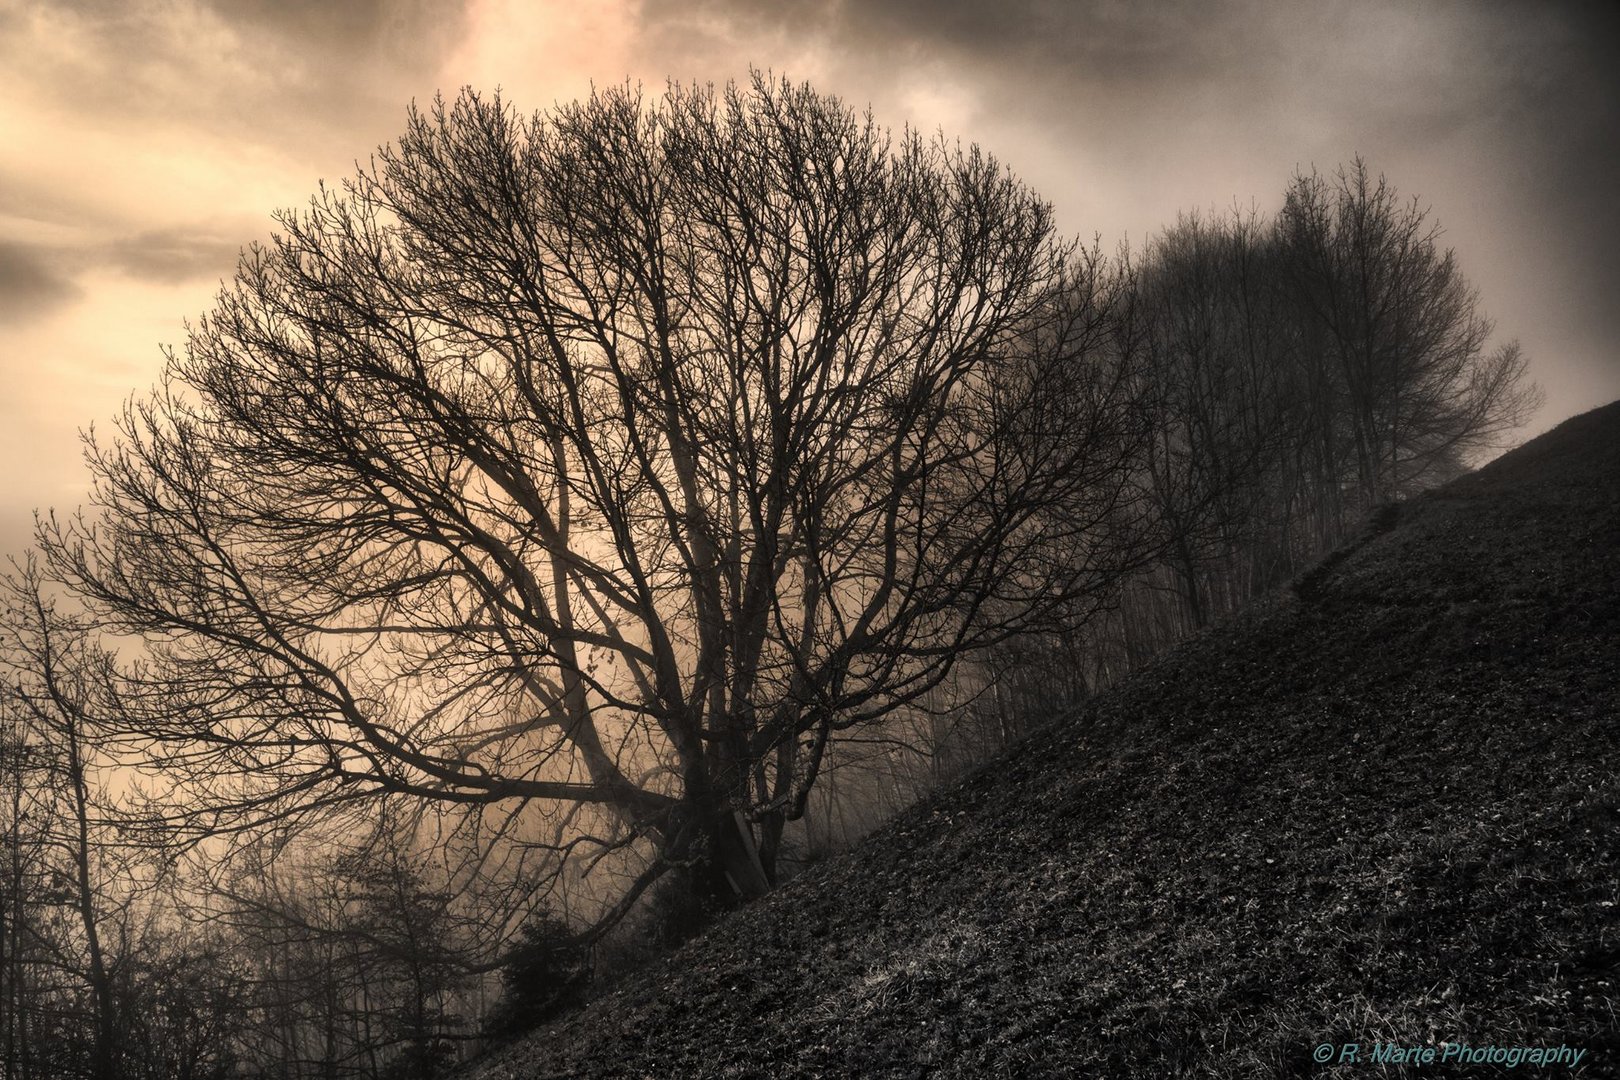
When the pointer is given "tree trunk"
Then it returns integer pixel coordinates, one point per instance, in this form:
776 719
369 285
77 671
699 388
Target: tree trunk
771 827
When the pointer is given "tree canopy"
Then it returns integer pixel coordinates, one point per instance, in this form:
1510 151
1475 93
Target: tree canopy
614 459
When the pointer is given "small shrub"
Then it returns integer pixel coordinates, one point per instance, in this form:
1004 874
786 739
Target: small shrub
547 975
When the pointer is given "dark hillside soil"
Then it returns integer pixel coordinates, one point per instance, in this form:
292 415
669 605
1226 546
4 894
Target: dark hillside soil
1383 807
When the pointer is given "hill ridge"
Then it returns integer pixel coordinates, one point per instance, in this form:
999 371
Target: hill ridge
1380 807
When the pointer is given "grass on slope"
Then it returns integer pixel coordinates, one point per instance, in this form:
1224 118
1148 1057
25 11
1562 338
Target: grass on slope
1381 808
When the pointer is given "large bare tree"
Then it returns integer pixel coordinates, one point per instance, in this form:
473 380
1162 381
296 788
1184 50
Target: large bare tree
619 458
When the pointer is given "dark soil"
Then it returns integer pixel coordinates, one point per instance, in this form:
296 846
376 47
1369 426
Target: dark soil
1381 808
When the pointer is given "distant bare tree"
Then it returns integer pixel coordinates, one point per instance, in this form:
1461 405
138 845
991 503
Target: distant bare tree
1300 371
1220 359
1400 331
354 963
73 892
616 458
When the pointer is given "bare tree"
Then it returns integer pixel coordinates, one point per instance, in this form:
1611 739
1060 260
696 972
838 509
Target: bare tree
1400 333
617 458
1300 371
1220 359
354 964
74 892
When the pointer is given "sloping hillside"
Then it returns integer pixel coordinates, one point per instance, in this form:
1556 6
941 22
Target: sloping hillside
1383 808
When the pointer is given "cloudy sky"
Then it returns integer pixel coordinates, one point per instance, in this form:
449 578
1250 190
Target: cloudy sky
144 142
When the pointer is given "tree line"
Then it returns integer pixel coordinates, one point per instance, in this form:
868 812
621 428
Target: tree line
556 523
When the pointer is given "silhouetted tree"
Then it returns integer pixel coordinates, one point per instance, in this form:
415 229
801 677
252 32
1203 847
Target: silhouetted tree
185 1010
1300 371
1215 330
66 903
544 976
620 457
1400 334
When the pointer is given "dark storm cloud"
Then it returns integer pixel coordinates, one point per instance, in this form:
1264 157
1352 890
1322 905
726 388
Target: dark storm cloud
407 32
345 25
1503 116
271 72
1048 38
32 282
1095 38
177 254
36 279
1543 70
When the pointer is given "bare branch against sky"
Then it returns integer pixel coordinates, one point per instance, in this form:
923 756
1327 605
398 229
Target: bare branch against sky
144 142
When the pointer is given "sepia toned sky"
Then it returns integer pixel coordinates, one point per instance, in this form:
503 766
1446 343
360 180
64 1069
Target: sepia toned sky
144 142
